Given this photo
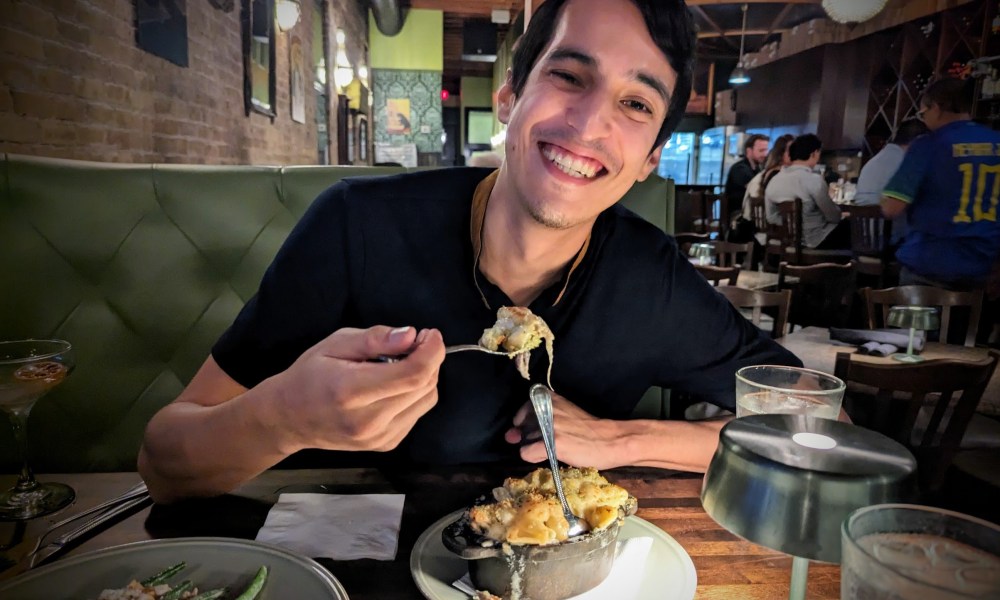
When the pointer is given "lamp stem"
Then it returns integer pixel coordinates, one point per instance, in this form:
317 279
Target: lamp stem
800 573
909 345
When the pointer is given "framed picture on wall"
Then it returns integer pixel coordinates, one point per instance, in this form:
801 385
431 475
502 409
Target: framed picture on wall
362 138
297 78
161 29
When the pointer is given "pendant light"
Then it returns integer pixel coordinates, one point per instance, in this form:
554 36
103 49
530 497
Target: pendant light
740 76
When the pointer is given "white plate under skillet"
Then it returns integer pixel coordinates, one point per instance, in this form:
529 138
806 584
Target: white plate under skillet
669 573
212 562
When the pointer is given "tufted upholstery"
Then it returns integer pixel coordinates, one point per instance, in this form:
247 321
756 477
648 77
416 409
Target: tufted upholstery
142 267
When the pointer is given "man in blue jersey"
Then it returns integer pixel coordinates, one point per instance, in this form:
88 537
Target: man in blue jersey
948 186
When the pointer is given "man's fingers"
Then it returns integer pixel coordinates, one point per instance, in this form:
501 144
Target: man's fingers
372 381
522 414
367 344
533 453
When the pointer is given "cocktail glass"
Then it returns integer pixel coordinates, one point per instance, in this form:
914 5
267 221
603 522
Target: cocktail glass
902 551
28 370
775 389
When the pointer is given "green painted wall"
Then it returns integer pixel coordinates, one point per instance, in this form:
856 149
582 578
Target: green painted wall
419 46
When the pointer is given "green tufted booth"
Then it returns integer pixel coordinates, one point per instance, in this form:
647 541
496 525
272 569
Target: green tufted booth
142 266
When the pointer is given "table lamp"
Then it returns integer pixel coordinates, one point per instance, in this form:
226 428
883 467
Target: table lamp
915 317
787 482
701 254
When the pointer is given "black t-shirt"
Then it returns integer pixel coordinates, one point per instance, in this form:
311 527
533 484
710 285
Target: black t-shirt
397 251
739 176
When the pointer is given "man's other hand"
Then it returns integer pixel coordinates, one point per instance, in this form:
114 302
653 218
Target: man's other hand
582 440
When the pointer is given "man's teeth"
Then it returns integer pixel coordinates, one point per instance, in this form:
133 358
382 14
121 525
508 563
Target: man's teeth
574 167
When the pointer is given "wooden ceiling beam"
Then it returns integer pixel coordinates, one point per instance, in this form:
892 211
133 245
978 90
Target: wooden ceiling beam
736 33
711 23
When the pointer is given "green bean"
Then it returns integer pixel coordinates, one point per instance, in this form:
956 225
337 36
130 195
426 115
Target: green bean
163 575
177 592
255 586
210 594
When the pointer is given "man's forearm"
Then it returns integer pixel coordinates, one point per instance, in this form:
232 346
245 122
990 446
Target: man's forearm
681 445
194 450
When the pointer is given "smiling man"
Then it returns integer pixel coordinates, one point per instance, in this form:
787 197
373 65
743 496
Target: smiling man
398 264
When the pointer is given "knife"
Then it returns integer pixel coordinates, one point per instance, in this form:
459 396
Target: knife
40 555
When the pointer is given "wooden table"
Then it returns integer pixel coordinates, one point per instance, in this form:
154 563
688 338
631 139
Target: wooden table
727 566
757 280
817 351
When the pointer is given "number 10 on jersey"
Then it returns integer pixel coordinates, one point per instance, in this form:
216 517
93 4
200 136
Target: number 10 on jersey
978 173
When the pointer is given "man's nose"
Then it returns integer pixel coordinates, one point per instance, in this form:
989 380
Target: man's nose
590 116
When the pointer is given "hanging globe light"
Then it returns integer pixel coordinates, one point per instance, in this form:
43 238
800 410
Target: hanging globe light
853 11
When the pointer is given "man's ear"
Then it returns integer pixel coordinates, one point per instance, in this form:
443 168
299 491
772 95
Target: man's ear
652 161
505 99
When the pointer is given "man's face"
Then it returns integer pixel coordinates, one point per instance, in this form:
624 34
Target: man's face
814 158
930 115
758 152
580 133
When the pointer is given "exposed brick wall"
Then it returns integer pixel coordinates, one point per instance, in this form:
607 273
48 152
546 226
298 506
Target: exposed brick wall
74 84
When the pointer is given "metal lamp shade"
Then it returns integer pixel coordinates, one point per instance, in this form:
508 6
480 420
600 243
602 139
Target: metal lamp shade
787 482
921 318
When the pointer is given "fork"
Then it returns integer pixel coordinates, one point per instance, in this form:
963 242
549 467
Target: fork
452 350
132 497
39 554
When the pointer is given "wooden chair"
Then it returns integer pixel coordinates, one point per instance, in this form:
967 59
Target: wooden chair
715 214
688 211
871 234
903 389
772 241
821 295
759 299
729 254
790 234
718 275
684 240
925 295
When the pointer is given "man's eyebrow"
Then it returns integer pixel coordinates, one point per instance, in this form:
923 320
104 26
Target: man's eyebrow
563 53
658 86
568 53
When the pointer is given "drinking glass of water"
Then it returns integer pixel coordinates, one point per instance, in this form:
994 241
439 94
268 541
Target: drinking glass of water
774 389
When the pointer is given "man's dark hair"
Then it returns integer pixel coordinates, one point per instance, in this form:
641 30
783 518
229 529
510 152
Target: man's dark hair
908 131
803 146
669 24
753 139
950 94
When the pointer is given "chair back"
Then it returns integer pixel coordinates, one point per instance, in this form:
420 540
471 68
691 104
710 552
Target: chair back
717 275
758 214
821 293
685 239
729 254
756 300
715 214
871 234
688 211
790 229
905 390
925 295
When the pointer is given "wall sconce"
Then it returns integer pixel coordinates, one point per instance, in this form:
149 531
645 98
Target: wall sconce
287 13
343 77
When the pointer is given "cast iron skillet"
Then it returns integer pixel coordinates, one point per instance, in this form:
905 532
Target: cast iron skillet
532 572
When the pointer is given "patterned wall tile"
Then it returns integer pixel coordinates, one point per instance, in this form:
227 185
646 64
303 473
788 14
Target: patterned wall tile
423 90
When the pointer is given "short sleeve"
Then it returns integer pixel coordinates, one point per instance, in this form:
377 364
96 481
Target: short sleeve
906 181
302 296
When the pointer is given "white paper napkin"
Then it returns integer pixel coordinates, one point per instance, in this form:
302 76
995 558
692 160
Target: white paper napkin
622 583
336 526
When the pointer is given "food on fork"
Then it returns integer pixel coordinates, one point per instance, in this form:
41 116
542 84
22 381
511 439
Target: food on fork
527 510
518 331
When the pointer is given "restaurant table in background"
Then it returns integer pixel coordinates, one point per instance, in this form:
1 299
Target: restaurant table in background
757 280
817 351
728 567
